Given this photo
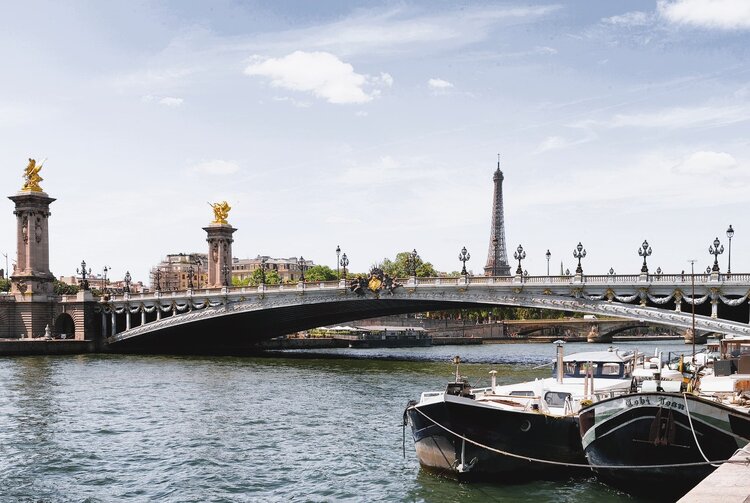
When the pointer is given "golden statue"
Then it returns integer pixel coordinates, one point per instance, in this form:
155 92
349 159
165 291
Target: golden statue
221 212
31 176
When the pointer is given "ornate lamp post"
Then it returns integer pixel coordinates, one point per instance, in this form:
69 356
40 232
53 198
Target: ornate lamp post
579 252
611 271
190 274
344 264
494 261
127 280
84 274
301 265
104 282
413 256
463 256
519 255
157 279
716 250
263 265
198 263
658 271
730 235
644 251
338 252
548 255
225 274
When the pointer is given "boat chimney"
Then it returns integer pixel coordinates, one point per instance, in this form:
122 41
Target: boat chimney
559 344
456 361
493 373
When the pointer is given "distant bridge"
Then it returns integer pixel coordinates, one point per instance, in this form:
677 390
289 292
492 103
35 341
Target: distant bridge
238 317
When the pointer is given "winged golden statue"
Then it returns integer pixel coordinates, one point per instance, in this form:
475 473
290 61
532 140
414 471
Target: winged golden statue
31 176
221 212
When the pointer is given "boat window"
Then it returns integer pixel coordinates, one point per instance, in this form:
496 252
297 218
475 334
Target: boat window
521 393
610 369
556 398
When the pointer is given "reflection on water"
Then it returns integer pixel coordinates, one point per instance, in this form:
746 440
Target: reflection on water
113 427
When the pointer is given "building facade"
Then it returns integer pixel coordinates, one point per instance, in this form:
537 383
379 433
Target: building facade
180 271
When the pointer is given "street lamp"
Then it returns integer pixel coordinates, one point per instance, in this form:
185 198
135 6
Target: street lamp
413 256
344 264
716 250
730 235
263 265
579 252
198 263
463 256
157 279
301 265
644 251
127 280
83 273
548 255
338 253
494 257
519 255
225 274
104 282
611 271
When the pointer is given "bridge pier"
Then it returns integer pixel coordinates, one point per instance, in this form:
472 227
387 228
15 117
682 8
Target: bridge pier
700 339
594 336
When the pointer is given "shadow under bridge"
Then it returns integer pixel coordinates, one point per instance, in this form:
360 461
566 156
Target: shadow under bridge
237 327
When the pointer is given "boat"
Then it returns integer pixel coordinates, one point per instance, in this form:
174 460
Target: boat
661 441
519 431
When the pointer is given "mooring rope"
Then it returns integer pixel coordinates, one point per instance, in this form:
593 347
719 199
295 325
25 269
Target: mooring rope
692 429
745 461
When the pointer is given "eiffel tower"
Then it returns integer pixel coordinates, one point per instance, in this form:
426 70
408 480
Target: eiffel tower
497 258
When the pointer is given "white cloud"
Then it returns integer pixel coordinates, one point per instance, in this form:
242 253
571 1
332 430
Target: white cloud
706 163
712 14
170 101
320 73
439 84
292 101
216 167
634 18
677 118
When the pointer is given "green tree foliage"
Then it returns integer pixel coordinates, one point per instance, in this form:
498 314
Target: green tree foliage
272 278
399 268
320 273
62 288
4 285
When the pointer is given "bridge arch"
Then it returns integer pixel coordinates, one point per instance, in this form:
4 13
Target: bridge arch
242 318
65 325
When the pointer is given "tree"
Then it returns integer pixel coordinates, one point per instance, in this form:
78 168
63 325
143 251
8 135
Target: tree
62 288
272 278
400 268
4 285
320 273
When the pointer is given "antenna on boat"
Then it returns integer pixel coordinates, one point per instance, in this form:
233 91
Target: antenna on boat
692 303
559 344
456 362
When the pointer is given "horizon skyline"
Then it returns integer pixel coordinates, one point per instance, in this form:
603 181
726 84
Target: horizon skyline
375 126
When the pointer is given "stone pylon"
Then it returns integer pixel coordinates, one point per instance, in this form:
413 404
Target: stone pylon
497 258
219 237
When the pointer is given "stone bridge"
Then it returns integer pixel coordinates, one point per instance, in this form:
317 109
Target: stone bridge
234 318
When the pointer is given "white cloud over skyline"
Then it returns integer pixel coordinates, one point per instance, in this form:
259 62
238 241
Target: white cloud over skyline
320 73
707 14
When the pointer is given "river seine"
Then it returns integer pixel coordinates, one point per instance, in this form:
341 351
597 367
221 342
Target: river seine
295 427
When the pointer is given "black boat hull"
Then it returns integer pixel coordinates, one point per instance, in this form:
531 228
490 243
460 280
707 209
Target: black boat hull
648 429
527 434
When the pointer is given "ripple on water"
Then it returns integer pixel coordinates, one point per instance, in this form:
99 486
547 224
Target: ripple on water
140 428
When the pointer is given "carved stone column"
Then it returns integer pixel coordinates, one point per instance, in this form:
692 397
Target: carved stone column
32 275
219 238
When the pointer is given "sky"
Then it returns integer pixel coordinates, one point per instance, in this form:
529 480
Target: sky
376 126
